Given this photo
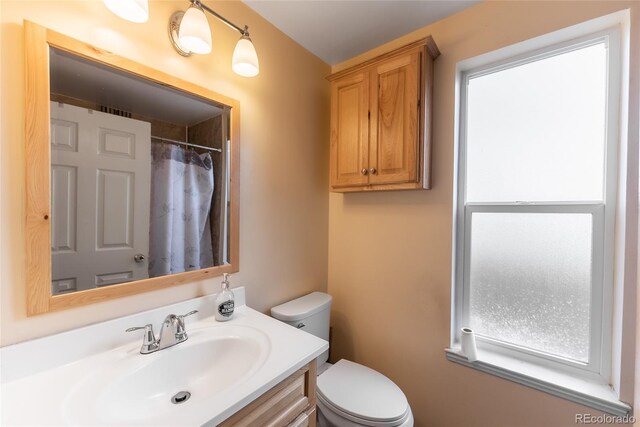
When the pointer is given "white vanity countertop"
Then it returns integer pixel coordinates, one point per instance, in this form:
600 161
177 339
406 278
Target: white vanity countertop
42 380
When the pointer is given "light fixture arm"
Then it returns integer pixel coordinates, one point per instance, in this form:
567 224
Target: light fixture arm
244 32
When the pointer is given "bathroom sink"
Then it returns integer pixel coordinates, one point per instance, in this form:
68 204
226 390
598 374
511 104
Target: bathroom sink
130 388
96 376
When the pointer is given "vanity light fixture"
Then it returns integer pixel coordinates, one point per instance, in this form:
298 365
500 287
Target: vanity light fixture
131 10
189 33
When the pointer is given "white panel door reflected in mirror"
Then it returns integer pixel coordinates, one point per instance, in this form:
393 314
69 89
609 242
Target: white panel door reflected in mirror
99 163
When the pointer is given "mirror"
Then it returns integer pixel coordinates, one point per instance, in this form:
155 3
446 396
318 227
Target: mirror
141 173
138 177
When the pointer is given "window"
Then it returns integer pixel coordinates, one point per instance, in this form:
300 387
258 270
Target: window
535 205
534 200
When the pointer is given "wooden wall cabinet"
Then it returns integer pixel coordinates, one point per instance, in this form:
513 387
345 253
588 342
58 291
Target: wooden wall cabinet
291 403
381 121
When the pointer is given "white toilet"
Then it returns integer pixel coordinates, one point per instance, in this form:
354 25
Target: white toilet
349 394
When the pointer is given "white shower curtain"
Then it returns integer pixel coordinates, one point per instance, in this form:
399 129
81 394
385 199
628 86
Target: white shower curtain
181 191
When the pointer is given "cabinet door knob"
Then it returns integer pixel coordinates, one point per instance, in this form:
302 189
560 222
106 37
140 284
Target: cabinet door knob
373 171
365 171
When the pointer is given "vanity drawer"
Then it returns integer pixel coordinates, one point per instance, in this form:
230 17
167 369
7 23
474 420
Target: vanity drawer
304 419
290 403
279 409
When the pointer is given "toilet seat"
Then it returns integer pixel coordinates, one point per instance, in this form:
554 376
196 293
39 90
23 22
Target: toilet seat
362 395
336 417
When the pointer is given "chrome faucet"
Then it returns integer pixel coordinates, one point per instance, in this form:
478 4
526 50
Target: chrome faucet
172 332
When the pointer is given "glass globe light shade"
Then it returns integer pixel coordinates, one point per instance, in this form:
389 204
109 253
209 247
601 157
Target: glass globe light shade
131 10
245 58
194 33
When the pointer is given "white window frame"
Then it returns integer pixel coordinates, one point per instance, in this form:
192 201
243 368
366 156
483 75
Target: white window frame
524 365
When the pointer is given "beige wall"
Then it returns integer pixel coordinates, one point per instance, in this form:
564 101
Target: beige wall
284 156
390 253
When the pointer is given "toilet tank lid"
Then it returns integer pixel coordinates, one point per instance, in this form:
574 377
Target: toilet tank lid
302 307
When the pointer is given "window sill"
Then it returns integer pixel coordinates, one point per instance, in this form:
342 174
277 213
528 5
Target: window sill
586 392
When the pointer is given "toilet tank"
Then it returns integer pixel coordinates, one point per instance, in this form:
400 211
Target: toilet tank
310 313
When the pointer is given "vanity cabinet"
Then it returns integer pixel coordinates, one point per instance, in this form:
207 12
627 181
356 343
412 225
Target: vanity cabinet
381 121
291 403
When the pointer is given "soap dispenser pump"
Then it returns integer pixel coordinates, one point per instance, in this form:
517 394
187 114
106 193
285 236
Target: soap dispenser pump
224 301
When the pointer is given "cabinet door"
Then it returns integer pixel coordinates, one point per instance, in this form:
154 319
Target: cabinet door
289 403
394 144
350 130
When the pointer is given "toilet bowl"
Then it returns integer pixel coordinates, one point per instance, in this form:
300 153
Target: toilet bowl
348 394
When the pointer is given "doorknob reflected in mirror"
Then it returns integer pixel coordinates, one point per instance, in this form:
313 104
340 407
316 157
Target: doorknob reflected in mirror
138 258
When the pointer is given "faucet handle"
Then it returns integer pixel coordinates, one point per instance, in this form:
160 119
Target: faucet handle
182 316
148 328
149 342
181 332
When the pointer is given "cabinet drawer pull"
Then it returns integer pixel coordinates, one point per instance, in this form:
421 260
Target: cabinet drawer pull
365 171
373 171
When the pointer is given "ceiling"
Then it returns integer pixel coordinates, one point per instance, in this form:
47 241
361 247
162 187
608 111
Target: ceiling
337 30
83 79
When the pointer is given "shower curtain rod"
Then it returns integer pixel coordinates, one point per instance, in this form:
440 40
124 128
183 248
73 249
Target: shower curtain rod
186 144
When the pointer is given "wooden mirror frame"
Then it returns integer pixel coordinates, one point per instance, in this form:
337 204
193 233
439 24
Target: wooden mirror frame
38 41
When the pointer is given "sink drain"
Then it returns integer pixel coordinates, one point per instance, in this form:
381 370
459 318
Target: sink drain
180 397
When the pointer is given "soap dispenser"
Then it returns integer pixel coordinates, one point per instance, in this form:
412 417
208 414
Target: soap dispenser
224 301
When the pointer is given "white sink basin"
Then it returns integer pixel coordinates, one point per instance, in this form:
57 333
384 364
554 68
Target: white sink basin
132 388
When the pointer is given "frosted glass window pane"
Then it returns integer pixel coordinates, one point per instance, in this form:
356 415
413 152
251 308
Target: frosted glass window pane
536 132
530 280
